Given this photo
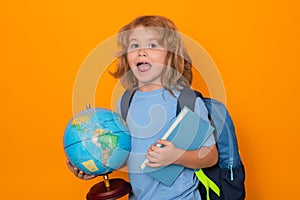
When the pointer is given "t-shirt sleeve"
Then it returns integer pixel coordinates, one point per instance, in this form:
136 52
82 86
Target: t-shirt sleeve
201 110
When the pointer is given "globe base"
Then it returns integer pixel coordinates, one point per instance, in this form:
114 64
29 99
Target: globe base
116 189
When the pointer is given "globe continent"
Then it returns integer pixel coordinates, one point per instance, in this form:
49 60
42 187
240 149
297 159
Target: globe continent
97 141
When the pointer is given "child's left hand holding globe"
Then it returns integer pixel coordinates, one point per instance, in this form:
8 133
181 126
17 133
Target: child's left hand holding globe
78 173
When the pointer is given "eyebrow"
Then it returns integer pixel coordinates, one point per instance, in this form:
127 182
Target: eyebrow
150 39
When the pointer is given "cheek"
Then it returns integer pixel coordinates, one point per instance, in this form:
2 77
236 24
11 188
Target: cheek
161 57
130 59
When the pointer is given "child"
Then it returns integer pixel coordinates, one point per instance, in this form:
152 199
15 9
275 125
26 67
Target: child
153 62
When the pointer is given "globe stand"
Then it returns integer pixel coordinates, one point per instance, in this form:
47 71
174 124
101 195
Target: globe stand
109 189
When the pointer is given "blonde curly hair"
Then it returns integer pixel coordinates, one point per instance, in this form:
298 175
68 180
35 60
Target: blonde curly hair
178 73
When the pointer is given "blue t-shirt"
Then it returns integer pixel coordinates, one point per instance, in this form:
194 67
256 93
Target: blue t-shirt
149 116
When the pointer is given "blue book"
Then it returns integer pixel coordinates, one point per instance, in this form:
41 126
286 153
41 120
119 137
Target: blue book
188 132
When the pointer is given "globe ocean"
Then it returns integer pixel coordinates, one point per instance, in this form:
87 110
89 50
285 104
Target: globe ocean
97 141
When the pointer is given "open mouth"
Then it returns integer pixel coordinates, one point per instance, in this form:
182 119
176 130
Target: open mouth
143 66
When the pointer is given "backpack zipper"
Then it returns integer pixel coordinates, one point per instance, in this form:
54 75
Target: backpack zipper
231 170
231 152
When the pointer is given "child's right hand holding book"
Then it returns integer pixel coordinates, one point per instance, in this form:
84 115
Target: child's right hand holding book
159 157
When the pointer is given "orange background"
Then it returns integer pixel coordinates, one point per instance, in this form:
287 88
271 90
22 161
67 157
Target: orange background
255 45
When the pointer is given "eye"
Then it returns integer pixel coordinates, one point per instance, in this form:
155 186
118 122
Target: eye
133 46
153 45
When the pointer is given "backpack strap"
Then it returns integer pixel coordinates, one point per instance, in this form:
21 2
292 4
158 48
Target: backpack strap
125 102
207 183
187 97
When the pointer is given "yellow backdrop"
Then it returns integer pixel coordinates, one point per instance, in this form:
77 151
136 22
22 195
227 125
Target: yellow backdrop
255 45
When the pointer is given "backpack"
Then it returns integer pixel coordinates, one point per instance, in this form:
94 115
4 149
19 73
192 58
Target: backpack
225 180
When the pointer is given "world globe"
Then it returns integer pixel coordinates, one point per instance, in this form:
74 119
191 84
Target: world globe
97 141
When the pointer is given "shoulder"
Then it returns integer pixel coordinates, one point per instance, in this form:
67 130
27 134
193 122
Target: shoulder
201 109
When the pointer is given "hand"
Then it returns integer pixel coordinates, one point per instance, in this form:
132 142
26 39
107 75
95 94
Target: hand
78 173
167 155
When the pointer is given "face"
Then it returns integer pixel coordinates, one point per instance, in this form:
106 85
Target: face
146 58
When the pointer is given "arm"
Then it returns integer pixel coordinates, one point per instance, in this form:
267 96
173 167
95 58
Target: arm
169 154
202 158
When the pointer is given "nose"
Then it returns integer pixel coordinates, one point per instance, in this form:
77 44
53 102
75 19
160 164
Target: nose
143 52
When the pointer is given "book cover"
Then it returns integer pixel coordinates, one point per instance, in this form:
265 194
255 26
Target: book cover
188 132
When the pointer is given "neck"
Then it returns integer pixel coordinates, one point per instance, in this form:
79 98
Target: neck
149 87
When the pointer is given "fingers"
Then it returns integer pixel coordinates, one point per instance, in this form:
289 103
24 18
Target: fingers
156 147
152 156
158 156
152 161
164 142
88 177
78 173
72 168
153 148
154 165
84 176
